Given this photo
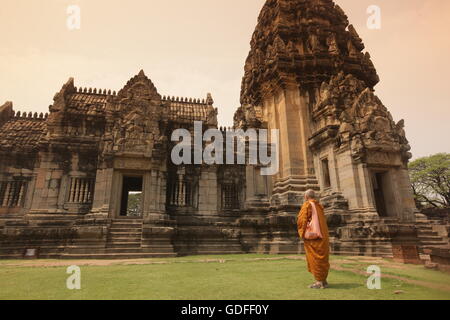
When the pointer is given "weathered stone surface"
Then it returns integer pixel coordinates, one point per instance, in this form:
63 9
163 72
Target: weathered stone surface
67 178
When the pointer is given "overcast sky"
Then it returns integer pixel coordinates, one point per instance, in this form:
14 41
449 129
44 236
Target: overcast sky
189 48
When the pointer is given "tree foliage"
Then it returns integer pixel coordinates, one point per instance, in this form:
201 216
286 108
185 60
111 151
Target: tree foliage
430 177
134 204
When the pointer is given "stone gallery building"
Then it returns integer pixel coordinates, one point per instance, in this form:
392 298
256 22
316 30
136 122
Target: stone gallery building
94 178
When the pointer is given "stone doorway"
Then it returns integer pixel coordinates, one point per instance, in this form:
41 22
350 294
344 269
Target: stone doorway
384 194
132 197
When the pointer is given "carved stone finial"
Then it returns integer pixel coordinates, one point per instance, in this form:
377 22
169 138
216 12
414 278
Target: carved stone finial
6 112
60 97
209 99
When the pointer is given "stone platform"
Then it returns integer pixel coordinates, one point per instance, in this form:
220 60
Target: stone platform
75 237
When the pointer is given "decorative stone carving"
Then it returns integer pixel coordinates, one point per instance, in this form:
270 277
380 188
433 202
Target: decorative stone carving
298 70
364 122
308 28
134 119
212 117
314 43
333 47
248 116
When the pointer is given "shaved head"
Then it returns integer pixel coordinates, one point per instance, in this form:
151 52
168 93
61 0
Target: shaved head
310 194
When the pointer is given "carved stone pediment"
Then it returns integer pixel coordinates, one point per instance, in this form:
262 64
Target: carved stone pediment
248 116
134 119
139 88
365 124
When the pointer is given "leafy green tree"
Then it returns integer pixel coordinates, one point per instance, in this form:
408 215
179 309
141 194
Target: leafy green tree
430 177
134 204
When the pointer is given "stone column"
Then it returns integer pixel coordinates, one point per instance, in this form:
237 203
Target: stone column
288 111
64 189
352 184
47 187
365 190
409 210
209 199
162 192
102 204
154 208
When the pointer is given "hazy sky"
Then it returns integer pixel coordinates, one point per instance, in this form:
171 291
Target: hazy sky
189 48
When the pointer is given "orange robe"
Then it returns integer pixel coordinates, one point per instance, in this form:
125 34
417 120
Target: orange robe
317 251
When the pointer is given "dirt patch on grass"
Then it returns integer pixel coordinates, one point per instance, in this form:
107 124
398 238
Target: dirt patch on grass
80 263
390 276
337 265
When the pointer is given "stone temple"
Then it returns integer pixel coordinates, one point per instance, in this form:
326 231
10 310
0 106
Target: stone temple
93 178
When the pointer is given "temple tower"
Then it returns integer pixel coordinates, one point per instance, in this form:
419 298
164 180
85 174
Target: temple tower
307 76
296 46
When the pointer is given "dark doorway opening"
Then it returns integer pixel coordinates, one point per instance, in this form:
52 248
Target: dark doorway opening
326 173
131 204
380 200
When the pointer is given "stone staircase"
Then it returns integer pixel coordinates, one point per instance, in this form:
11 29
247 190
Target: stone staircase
124 237
429 238
124 241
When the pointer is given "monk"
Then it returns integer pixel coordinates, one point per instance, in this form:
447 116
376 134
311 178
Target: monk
313 229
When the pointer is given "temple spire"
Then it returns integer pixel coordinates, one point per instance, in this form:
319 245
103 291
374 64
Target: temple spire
305 42
140 86
141 73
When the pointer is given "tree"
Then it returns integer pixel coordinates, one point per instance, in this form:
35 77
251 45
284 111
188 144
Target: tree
134 204
430 177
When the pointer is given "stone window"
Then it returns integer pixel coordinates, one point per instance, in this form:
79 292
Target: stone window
182 191
81 190
230 196
12 193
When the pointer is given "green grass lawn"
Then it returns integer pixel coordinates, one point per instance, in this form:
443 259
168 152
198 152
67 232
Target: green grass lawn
237 277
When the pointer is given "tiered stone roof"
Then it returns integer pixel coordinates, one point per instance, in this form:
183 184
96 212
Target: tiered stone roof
87 103
185 110
23 131
181 109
